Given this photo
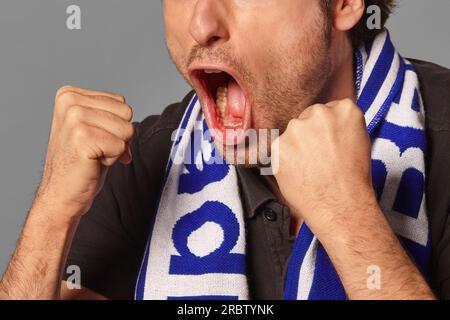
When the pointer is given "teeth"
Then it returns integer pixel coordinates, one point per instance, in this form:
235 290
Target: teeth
232 125
221 100
210 71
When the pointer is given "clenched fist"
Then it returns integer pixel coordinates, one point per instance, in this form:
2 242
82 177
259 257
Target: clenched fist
323 159
91 130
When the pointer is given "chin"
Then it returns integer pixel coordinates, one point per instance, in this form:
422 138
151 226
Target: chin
246 154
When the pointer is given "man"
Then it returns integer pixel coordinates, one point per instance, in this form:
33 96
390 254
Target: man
334 221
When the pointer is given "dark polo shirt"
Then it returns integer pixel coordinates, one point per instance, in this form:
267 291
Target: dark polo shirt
110 241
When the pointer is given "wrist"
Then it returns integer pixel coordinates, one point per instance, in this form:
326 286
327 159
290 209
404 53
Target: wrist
345 214
54 214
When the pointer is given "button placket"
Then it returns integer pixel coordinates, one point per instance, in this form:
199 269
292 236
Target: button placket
269 214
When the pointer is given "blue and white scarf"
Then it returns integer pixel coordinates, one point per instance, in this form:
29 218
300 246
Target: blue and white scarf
197 243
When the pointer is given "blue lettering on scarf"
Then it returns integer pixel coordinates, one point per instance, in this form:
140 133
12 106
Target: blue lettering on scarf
379 174
201 174
409 200
220 260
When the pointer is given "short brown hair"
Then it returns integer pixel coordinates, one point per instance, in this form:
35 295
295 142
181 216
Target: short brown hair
360 33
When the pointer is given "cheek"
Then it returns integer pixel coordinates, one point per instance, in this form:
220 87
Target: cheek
177 22
179 58
264 49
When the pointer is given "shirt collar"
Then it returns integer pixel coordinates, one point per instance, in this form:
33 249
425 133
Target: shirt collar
254 192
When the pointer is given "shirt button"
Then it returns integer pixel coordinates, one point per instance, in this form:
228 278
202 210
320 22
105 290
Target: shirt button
269 214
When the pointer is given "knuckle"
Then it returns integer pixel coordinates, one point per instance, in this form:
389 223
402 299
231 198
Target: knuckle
123 146
112 95
63 90
121 97
66 98
319 109
315 110
80 135
115 96
355 111
119 147
130 131
306 113
349 105
128 112
126 131
293 125
347 102
319 112
316 106
74 115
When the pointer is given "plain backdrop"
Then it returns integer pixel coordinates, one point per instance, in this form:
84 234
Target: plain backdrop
120 48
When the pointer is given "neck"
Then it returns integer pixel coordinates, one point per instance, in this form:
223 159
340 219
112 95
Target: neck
341 84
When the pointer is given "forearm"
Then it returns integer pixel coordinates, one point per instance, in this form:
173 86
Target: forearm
36 267
91 131
365 243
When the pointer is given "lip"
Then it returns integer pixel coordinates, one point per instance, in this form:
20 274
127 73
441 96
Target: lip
209 105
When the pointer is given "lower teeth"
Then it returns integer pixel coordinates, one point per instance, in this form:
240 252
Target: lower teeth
221 100
232 125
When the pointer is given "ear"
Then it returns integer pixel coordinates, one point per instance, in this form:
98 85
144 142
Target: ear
346 13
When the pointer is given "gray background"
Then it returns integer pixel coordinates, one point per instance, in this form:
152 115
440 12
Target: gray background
120 48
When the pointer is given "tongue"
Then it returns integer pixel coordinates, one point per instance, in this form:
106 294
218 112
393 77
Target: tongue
236 100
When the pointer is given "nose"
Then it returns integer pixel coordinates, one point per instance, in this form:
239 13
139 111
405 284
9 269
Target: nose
208 24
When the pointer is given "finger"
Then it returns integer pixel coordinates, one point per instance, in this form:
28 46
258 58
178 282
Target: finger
305 113
101 119
332 103
68 99
126 158
89 92
98 144
309 112
343 102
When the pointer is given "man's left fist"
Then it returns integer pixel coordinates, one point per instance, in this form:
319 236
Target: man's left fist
324 166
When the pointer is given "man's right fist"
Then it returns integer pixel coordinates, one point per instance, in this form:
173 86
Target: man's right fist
91 130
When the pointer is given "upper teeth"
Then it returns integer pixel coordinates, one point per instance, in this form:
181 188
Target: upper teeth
212 71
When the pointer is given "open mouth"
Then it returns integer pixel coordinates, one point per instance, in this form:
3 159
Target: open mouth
224 104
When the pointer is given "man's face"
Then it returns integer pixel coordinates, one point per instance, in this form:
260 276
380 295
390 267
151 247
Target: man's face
273 57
